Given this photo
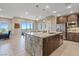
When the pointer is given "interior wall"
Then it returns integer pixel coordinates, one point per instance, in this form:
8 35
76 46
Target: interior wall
11 22
17 32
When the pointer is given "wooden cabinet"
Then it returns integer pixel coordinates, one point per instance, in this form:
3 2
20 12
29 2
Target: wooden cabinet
69 18
61 20
73 36
51 43
72 18
78 20
76 37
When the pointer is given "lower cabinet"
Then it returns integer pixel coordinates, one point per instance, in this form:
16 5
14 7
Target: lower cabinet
51 43
73 36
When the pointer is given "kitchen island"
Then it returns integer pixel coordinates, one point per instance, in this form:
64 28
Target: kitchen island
42 44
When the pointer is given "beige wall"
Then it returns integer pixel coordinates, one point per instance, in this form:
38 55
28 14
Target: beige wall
11 22
17 32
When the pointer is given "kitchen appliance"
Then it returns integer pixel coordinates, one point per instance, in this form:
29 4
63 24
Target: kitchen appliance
72 24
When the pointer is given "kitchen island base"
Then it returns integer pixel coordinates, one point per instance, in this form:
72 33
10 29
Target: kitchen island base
42 46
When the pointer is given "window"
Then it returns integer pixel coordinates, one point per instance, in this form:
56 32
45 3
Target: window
26 25
4 27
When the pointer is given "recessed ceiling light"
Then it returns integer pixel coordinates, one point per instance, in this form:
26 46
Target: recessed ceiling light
68 6
47 6
54 11
26 13
71 11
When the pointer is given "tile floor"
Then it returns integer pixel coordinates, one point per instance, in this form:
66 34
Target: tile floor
69 48
13 47
16 47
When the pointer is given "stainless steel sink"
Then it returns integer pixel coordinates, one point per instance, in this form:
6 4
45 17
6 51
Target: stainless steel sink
52 33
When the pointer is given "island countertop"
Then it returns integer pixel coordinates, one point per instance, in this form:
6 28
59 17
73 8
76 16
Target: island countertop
42 44
43 35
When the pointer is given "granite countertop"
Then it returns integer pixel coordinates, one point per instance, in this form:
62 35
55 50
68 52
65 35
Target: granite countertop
74 31
42 35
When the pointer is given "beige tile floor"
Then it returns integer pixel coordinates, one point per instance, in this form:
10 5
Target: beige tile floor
69 48
16 47
13 47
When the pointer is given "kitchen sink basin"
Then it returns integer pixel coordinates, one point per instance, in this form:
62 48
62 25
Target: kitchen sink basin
52 33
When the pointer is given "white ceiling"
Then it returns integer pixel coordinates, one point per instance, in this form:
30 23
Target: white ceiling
29 10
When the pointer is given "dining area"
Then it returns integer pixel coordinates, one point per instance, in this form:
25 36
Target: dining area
5 35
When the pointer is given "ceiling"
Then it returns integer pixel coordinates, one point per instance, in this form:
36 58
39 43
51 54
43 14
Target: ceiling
36 10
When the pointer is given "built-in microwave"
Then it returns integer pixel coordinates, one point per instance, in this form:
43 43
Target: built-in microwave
72 24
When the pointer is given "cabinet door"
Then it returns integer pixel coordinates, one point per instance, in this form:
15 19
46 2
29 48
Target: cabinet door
61 20
53 43
72 18
50 44
73 37
77 37
45 40
70 36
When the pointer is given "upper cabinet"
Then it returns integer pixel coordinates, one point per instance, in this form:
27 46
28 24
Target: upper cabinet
61 20
72 18
68 18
